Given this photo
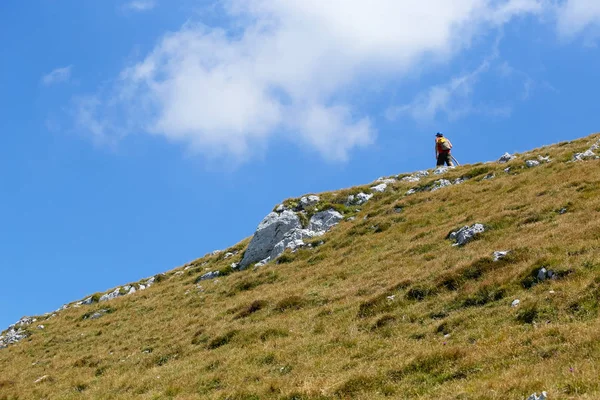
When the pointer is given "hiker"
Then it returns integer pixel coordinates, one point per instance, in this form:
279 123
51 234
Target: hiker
442 150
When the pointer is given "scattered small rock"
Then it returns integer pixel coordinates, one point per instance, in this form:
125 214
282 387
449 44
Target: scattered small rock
499 255
359 199
387 181
532 163
489 176
112 295
586 155
88 301
507 170
379 188
466 234
262 263
42 379
437 185
416 177
210 275
563 211
506 157
544 274
441 170
515 303
543 396
308 201
544 159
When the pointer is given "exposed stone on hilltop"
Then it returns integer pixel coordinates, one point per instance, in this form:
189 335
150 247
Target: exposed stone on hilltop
308 201
506 157
269 233
437 185
589 154
359 199
278 232
379 188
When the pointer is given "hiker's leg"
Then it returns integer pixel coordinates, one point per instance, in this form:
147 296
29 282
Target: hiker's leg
440 160
449 160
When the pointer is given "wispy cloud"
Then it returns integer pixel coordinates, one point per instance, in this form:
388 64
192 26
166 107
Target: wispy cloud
140 5
577 16
288 72
58 75
453 99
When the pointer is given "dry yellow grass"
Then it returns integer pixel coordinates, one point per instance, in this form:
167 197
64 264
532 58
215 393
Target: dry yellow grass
322 324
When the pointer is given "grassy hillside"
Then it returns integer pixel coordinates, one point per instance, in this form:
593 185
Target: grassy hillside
386 307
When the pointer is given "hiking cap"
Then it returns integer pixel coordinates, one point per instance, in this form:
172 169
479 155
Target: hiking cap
439 134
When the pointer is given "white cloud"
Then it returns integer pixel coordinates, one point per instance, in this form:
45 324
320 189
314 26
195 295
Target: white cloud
576 16
288 73
58 75
140 5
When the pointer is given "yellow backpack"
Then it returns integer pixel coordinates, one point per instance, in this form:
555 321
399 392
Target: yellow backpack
444 144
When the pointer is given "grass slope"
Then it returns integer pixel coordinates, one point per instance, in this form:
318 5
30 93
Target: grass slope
386 307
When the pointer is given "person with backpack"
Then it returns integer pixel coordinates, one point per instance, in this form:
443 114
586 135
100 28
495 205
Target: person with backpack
442 150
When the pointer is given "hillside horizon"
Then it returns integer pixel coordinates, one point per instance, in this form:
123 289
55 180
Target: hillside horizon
366 295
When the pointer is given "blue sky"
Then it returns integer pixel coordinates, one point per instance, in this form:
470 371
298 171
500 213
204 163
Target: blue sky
139 135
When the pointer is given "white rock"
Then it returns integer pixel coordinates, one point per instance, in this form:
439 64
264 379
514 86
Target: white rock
489 176
131 290
280 208
437 185
142 287
587 155
466 234
507 170
178 273
262 263
544 159
543 396
506 157
309 201
499 255
379 188
460 180
411 179
387 181
362 198
532 163
441 170
515 303
541 275
411 191
112 295
227 255
42 379
272 230
88 301
323 221
210 275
